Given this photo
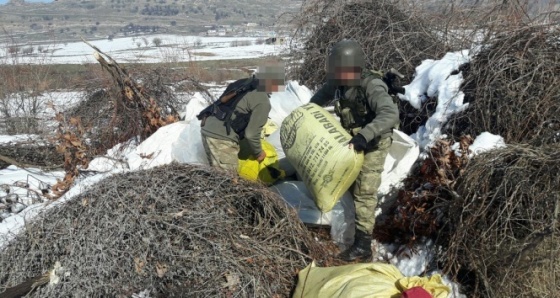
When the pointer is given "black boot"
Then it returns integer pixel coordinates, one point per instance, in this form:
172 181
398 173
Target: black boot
361 249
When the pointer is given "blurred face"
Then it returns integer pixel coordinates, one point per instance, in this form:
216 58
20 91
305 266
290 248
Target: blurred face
271 78
273 85
348 76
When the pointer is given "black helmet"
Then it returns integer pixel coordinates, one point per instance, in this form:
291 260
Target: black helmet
346 53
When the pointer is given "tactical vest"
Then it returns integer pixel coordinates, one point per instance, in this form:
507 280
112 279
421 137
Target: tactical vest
355 113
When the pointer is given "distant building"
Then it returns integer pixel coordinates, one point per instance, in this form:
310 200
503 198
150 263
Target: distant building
275 40
252 25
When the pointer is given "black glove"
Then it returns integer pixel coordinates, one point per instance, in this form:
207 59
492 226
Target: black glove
390 79
358 142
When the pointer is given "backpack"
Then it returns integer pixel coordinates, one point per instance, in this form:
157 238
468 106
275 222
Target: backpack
388 78
224 107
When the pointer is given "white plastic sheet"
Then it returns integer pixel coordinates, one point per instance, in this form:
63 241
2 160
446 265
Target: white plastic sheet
402 155
179 141
274 140
196 104
188 148
283 103
340 218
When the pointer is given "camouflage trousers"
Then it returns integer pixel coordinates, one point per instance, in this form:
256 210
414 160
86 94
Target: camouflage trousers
367 183
221 153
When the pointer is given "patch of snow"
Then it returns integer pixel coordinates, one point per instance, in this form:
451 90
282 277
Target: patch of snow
173 48
433 78
411 263
23 188
415 262
144 294
485 142
13 139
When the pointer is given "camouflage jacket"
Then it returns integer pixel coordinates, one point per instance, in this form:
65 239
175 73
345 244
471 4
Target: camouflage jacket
255 103
366 109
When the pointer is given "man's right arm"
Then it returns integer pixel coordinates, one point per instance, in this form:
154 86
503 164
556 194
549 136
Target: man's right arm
324 95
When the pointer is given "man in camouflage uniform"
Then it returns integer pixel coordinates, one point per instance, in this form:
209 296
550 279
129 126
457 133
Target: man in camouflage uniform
369 114
222 148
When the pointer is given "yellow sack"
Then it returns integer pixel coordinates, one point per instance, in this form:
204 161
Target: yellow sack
317 146
372 280
267 171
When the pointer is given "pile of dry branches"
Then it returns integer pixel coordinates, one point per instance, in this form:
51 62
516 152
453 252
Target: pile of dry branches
175 230
504 225
127 111
389 36
30 153
417 212
513 87
108 117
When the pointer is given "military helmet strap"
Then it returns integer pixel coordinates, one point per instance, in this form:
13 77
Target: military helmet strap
337 93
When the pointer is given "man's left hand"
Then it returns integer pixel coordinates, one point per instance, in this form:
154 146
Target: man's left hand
358 142
261 156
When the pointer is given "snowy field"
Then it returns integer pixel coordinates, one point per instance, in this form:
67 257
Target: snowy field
181 141
141 49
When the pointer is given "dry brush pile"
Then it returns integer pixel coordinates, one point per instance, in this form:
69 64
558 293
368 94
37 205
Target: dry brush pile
390 37
496 217
504 227
513 87
176 231
30 153
127 111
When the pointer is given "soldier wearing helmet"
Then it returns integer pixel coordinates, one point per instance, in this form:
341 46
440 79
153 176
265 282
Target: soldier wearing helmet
369 114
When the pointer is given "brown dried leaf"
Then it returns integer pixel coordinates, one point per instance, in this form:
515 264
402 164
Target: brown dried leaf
444 161
129 93
75 142
161 269
232 281
139 265
75 121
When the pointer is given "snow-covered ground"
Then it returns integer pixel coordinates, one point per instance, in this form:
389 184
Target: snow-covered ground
181 141
173 48
47 103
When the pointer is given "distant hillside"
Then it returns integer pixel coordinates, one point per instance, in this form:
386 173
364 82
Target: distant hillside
67 19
